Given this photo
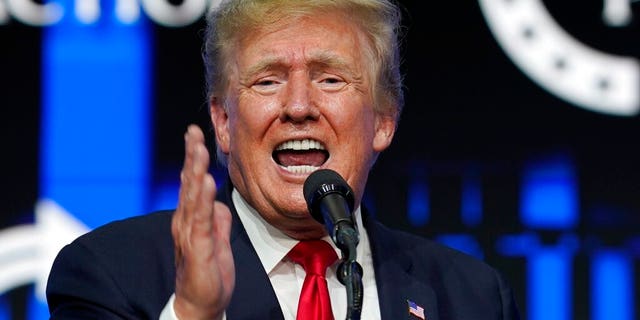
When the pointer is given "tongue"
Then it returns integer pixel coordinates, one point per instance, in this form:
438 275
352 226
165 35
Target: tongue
298 158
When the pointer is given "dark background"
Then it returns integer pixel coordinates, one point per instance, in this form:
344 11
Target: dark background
468 107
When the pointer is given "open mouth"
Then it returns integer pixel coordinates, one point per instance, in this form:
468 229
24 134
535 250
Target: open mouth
300 156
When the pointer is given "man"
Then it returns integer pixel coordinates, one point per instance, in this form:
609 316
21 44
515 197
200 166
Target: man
295 86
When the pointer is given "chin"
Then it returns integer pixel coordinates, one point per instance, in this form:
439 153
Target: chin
295 208
308 234
303 227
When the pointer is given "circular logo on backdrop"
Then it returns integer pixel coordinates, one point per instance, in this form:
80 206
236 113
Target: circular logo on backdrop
597 78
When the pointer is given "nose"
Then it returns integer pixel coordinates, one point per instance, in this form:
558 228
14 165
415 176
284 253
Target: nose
298 102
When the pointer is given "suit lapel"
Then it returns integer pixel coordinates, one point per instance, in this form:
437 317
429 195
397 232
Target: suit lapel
394 276
253 296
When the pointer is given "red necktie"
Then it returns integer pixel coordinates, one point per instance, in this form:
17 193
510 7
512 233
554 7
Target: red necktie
314 256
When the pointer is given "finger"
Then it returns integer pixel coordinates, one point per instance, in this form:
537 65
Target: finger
190 140
195 178
221 222
203 214
192 178
193 236
193 136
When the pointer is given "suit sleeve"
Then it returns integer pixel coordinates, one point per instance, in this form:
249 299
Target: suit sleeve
79 287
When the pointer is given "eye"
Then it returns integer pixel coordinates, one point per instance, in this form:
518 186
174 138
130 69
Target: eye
331 82
266 85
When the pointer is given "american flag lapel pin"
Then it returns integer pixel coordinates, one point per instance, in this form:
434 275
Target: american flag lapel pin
416 310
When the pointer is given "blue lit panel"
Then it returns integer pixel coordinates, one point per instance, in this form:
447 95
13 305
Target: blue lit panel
612 286
549 285
4 308
165 196
549 199
95 120
37 310
518 245
418 203
463 242
95 117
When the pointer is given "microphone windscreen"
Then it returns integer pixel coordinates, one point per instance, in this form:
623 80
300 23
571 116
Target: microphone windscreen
321 183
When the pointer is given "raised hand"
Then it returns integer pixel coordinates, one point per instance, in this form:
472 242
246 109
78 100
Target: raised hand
205 272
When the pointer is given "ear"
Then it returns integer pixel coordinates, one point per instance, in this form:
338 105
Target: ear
385 129
220 120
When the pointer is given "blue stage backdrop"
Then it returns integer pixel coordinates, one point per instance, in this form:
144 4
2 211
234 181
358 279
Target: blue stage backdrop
518 143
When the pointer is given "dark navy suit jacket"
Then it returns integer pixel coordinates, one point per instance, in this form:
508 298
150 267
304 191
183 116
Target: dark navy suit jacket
125 270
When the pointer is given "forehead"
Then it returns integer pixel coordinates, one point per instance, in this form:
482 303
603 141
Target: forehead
318 40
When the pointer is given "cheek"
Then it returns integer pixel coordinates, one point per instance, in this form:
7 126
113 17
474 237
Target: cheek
364 123
356 134
252 121
351 113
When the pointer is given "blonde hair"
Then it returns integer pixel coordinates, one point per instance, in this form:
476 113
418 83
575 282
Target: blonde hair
379 19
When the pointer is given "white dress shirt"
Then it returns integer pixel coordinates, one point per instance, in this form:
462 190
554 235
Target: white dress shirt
287 277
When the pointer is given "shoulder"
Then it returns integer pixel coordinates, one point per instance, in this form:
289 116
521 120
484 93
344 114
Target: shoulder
125 266
152 226
432 261
127 245
463 284
424 251
135 241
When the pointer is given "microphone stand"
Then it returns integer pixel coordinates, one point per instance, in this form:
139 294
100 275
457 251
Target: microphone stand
349 271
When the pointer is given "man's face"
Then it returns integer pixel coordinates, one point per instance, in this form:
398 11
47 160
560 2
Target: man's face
299 99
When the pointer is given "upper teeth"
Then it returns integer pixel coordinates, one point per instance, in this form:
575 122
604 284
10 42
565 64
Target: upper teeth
305 144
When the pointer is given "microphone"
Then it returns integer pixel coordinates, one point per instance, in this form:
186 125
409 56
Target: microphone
330 201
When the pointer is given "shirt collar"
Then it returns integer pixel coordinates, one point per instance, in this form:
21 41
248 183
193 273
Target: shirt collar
271 244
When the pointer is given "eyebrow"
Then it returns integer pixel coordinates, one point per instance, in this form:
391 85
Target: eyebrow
316 59
331 60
